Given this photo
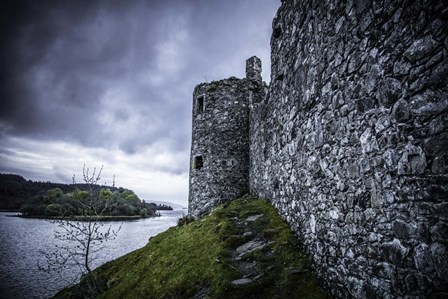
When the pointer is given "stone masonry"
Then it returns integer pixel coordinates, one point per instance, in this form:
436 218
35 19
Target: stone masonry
219 170
350 143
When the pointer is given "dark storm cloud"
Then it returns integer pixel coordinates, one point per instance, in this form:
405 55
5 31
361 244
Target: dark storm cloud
119 74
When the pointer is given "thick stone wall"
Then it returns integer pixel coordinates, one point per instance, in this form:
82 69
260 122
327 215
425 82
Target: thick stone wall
219 169
351 142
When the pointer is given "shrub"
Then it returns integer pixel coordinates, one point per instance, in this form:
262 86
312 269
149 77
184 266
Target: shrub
144 212
53 209
33 209
184 220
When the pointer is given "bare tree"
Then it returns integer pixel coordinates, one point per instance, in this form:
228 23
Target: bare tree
80 236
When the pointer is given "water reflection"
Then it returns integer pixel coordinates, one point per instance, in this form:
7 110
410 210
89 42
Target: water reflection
21 241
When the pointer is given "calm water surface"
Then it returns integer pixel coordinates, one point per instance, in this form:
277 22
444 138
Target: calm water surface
22 240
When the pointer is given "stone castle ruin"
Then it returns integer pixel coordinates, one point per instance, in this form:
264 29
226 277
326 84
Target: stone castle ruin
219 169
349 141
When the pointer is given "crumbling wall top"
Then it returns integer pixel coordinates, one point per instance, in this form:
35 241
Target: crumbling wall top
253 69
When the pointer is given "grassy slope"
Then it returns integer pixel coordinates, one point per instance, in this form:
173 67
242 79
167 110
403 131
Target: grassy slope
195 260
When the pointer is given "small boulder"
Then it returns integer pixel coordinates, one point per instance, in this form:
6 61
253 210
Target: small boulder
253 218
242 281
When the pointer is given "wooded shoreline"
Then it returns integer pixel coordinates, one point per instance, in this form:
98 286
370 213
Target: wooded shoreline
84 218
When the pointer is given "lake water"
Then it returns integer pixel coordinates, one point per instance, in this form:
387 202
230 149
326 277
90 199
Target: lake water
22 240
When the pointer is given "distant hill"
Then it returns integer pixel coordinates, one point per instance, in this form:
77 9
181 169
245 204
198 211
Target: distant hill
170 204
15 191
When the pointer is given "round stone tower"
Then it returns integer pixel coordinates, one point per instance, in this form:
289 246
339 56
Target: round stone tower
219 168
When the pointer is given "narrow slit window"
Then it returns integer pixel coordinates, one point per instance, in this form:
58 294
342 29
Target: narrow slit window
198 162
200 104
277 32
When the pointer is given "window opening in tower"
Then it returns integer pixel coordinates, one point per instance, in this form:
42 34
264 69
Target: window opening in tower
198 162
199 104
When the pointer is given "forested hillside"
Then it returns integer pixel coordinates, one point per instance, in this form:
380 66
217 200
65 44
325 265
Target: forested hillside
16 191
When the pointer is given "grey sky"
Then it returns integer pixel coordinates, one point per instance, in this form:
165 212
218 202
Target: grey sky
110 82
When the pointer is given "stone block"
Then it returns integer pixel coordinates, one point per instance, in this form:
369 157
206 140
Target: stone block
439 232
437 146
394 251
420 48
413 161
440 211
389 91
404 230
401 111
384 270
355 287
439 254
423 259
415 282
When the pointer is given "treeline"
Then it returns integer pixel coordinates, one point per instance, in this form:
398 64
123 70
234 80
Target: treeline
162 207
16 191
34 198
101 202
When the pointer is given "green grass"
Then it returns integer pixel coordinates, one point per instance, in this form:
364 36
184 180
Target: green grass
197 257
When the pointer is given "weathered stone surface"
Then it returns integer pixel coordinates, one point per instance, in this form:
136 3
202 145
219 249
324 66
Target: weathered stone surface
384 270
241 281
374 160
439 232
389 91
439 254
219 169
350 142
423 259
420 48
394 252
413 161
248 247
403 230
253 218
401 111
